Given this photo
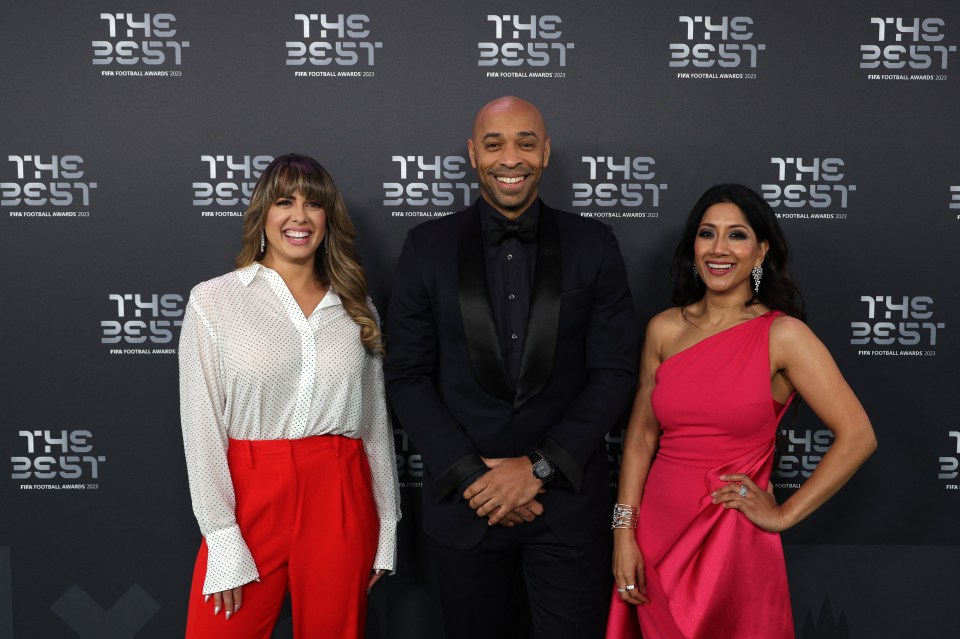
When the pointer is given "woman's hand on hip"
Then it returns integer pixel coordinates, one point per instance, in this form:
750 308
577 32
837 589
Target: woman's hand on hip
756 504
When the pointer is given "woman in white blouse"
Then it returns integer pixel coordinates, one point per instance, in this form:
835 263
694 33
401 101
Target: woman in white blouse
288 442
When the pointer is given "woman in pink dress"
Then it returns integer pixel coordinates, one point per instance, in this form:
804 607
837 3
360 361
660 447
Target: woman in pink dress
697 551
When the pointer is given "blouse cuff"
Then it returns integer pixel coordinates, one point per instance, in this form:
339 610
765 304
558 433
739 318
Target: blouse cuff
386 558
229 562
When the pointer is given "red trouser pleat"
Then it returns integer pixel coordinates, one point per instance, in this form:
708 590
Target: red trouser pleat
306 510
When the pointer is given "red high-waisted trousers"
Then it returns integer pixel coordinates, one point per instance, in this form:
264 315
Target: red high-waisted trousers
306 510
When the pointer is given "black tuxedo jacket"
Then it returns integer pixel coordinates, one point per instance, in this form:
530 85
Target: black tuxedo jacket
449 386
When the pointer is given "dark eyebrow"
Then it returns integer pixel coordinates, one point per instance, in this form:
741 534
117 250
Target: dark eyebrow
522 134
732 226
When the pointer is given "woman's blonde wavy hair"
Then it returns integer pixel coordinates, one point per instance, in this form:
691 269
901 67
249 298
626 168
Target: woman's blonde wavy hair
338 265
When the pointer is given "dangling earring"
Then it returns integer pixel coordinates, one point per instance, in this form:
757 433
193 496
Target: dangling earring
326 242
263 241
757 273
696 275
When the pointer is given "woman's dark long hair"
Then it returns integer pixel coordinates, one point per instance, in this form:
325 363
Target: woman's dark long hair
777 290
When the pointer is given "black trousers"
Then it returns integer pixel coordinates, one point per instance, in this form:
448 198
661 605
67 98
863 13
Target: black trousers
523 582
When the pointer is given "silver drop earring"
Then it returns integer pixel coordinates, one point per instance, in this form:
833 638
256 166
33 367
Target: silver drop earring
263 241
757 273
696 275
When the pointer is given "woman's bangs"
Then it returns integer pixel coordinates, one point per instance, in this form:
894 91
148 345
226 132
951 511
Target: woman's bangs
293 179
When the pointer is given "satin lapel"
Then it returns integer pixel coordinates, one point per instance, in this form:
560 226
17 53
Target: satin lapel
542 327
479 327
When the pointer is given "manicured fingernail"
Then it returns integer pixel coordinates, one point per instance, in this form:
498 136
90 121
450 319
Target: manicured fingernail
206 598
228 613
216 610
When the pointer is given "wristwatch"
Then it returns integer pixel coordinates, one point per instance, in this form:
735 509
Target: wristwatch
542 468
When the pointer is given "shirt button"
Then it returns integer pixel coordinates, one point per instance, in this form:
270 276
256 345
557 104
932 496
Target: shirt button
511 296
514 336
509 256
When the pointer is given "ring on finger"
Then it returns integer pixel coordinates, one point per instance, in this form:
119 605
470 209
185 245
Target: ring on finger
743 490
621 590
631 587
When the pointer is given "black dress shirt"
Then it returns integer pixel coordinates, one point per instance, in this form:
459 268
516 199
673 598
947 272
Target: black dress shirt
510 267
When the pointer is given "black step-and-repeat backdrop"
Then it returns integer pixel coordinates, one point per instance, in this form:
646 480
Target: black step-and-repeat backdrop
131 134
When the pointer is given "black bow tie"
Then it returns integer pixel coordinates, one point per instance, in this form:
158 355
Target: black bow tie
499 229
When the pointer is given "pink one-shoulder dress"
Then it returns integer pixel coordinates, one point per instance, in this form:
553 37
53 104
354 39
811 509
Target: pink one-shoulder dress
711 573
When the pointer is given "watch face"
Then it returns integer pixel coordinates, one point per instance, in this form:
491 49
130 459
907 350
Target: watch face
542 469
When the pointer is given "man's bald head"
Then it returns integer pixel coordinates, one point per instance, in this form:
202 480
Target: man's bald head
509 149
509 104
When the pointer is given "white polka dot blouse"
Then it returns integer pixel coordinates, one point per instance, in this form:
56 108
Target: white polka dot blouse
252 366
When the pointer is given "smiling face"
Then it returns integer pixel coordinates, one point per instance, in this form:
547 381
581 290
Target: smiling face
726 249
294 227
509 149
